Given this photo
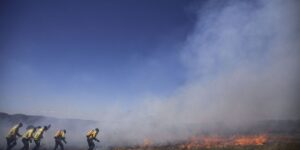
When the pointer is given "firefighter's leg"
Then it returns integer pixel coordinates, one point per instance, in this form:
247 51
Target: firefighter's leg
56 145
8 141
34 148
23 144
91 144
61 145
26 144
11 142
37 144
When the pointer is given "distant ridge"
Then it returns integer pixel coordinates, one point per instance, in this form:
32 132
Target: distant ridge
32 119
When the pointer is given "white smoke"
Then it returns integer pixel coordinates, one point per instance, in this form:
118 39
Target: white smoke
243 62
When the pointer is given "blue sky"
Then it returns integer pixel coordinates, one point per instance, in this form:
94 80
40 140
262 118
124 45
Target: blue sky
77 55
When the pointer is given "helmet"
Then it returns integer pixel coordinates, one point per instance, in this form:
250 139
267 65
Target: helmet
45 127
20 124
38 127
65 131
97 129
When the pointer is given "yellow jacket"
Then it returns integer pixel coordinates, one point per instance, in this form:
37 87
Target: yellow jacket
28 134
91 134
39 133
60 134
13 131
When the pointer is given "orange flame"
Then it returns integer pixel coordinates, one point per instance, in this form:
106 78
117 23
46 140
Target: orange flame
250 140
218 141
147 143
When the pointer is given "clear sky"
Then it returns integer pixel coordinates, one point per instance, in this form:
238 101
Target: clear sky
82 56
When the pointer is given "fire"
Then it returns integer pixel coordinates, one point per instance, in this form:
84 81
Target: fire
147 143
251 140
207 142
218 141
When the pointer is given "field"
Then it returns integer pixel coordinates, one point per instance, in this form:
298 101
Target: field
265 135
269 143
272 143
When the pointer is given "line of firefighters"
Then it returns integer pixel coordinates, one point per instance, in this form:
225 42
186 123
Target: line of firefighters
36 134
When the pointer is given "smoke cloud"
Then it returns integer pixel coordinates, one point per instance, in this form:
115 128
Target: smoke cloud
243 66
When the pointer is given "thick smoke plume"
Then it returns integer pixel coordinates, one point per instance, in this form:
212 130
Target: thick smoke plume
243 63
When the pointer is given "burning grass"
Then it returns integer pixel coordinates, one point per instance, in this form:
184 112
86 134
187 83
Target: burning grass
236 142
218 141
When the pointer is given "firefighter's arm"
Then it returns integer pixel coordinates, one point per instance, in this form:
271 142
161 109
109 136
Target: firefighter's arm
64 139
96 139
18 134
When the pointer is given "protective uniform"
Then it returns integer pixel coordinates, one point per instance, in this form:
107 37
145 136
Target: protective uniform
91 136
59 137
11 137
27 137
38 135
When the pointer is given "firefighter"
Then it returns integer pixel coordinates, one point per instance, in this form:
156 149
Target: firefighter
38 135
11 137
91 136
27 137
59 137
